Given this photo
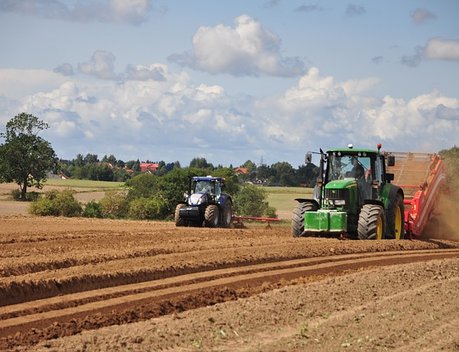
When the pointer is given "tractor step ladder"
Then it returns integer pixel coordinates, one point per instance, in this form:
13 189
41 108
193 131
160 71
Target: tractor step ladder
421 177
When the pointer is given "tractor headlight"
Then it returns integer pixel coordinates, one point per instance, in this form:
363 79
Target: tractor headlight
340 202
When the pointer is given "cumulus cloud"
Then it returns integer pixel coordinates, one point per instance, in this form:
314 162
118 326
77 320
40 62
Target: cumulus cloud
442 49
420 15
435 49
101 65
176 118
117 11
247 49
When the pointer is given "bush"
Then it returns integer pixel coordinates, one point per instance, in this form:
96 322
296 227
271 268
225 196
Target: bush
30 196
147 208
251 201
114 205
271 212
67 204
55 203
92 210
44 207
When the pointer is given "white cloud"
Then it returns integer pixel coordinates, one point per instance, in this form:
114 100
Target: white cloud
176 119
101 65
247 49
442 49
16 83
118 11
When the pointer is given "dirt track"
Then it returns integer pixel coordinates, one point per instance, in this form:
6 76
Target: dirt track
59 277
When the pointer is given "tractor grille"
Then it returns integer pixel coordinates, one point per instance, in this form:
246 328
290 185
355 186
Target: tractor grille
333 194
335 197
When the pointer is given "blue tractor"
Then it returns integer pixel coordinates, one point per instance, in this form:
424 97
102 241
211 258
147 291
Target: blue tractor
205 204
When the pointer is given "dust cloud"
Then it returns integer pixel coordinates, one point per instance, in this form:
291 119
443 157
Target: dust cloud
444 222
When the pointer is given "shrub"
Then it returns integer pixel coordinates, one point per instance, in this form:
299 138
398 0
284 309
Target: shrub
271 212
147 208
251 201
67 204
114 205
55 203
92 210
43 207
30 196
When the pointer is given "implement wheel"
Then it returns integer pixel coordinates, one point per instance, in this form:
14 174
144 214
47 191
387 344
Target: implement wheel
211 216
372 222
298 217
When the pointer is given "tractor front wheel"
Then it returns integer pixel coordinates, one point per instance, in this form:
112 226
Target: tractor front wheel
298 217
179 221
211 216
372 222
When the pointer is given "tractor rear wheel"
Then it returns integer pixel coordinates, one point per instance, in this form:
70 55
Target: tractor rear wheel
298 217
179 221
372 222
227 214
211 216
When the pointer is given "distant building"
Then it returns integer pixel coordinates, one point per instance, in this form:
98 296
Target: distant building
241 171
149 167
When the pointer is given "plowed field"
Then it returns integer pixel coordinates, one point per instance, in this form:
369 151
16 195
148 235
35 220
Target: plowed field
111 285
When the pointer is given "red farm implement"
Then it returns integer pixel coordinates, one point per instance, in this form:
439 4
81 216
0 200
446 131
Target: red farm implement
421 177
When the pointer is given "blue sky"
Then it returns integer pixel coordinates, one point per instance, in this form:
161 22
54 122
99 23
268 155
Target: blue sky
232 80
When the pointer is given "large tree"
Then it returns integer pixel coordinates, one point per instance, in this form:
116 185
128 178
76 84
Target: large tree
25 158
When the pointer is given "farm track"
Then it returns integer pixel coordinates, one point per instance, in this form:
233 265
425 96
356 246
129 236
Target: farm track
60 316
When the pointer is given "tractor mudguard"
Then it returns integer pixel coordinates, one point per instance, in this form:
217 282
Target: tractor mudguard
308 200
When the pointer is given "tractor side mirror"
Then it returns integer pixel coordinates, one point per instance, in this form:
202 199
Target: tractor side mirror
308 158
390 160
389 177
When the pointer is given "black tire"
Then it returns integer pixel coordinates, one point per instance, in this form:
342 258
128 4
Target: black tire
178 220
395 218
372 222
298 217
227 214
211 216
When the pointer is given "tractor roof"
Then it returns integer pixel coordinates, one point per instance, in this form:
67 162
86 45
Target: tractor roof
353 150
208 178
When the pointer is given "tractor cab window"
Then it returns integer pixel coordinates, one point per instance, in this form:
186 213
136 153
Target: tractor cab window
348 166
204 186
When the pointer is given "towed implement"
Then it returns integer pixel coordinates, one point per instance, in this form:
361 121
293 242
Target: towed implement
422 176
353 197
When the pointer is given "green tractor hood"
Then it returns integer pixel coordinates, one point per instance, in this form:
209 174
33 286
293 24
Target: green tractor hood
341 184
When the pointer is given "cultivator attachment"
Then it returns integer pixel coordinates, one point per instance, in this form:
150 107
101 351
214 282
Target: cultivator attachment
421 177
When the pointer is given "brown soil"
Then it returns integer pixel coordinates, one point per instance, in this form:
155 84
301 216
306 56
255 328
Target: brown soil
96 285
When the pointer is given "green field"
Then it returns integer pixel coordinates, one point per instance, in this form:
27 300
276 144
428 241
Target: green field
283 198
74 183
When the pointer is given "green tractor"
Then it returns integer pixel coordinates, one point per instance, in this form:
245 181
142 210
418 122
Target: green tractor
353 198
